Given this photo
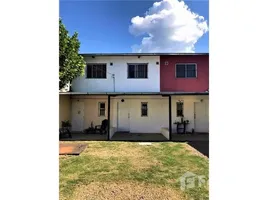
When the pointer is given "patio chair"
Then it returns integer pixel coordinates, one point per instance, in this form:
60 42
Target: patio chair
102 129
90 129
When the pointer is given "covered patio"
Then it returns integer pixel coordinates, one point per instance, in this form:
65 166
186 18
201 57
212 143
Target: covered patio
157 126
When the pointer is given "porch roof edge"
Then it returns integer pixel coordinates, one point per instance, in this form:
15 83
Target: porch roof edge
134 93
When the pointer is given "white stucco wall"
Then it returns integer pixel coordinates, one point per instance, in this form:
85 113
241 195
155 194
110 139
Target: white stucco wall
158 115
120 69
188 110
165 132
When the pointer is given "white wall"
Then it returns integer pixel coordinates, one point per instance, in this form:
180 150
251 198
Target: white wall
158 115
91 113
188 109
120 69
165 132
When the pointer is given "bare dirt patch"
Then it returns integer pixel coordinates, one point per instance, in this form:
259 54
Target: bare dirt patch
126 191
71 149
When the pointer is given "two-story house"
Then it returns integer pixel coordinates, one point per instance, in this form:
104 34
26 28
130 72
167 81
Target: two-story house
139 93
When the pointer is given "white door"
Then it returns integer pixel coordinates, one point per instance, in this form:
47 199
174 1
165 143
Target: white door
77 116
123 116
201 117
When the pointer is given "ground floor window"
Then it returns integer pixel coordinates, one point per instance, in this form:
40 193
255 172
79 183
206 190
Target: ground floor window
180 109
144 109
101 109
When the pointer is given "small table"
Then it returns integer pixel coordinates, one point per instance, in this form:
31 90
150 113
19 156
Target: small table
184 124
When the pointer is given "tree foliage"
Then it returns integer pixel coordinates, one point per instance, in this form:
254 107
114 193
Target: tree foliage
71 63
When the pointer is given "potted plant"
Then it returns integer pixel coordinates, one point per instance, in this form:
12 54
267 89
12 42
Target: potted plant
186 121
66 124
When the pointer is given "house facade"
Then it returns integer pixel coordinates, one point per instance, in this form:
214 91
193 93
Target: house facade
140 93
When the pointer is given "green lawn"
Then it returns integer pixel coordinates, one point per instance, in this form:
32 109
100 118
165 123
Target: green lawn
127 170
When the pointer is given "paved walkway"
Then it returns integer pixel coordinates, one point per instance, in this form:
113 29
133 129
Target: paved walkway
190 137
138 137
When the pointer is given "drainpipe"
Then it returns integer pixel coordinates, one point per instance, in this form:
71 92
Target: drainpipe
113 76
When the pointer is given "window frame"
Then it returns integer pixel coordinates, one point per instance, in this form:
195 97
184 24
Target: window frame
146 109
185 75
177 103
87 64
99 109
136 64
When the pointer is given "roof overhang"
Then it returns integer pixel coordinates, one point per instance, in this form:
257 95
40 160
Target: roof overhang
133 93
142 54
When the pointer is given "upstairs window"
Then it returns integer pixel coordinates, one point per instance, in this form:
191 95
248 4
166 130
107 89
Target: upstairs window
186 71
137 70
179 109
101 109
144 109
96 70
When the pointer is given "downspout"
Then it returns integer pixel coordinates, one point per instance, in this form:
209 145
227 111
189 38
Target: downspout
113 76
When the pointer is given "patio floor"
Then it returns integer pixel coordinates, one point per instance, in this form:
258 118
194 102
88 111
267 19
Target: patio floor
138 137
120 136
85 137
190 137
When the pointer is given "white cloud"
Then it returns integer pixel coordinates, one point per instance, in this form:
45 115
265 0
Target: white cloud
169 26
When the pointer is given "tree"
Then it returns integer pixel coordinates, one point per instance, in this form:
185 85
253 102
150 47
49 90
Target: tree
71 63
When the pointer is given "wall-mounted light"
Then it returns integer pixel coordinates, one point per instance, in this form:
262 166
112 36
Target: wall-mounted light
122 100
93 56
157 63
166 63
111 64
201 100
139 56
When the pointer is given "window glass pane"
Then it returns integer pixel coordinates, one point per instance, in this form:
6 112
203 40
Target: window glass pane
89 71
102 105
191 74
137 71
144 113
179 109
141 71
131 71
104 71
102 112
96 71
191 67
180 71
144 109
191 70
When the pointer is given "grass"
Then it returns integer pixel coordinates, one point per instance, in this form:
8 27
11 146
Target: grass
127 170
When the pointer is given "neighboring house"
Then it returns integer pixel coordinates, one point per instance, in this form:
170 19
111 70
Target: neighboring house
140 92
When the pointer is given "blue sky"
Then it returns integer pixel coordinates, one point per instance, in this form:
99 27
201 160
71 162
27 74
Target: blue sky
103 26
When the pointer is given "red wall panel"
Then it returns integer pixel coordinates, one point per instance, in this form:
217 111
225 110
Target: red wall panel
169 82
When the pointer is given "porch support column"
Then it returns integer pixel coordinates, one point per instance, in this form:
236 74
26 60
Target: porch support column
170 118
109 113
